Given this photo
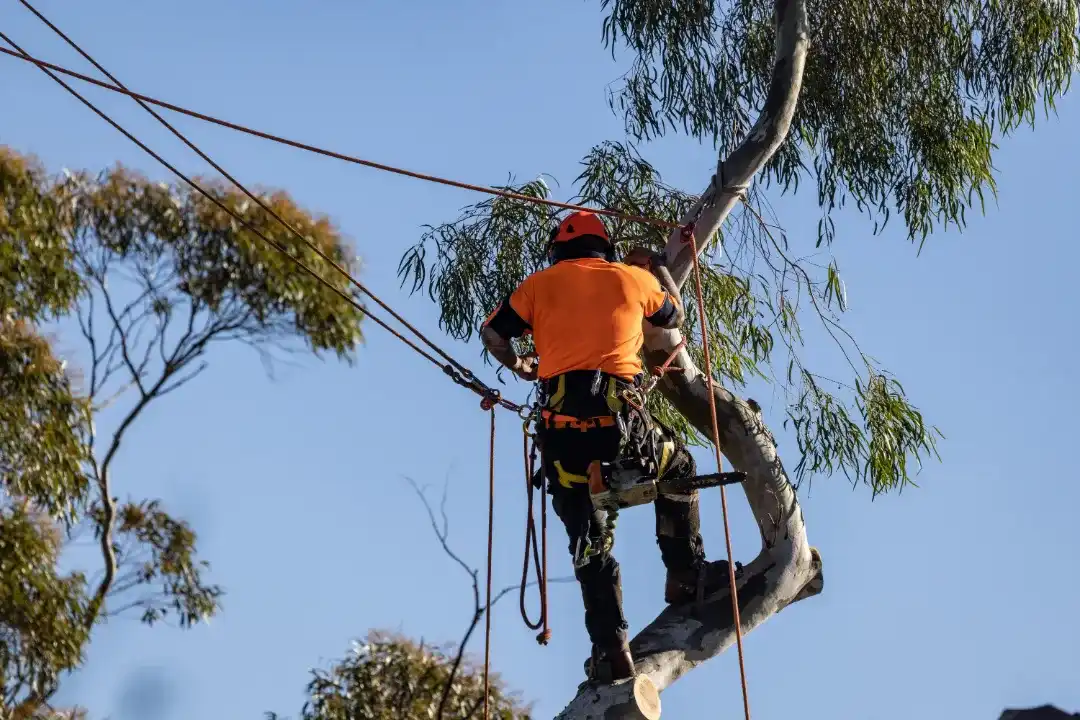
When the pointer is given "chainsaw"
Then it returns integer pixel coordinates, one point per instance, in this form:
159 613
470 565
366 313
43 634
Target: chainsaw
627 482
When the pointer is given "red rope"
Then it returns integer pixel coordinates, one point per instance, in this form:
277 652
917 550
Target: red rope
341 156
490 551
545 635
459 373
666 367
253 197
688 235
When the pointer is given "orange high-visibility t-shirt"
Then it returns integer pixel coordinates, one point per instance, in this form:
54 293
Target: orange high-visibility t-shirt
585 314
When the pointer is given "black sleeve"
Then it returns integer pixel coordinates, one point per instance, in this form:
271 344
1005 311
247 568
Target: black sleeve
665 315
506 322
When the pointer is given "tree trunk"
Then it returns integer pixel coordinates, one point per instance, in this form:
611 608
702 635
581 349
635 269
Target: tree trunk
787 569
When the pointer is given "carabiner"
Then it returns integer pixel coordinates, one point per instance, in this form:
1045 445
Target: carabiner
490 399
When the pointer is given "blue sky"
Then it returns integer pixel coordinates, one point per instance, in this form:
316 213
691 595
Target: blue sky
952 600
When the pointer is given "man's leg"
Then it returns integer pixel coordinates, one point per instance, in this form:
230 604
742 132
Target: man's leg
591 542
595 566
678 533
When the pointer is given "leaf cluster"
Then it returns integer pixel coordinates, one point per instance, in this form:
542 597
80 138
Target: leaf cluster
900 100
390 677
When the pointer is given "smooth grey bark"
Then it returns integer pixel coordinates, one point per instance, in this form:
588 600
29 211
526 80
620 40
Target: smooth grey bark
786 569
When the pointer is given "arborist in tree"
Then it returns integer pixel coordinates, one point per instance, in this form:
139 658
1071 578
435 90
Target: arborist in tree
585 314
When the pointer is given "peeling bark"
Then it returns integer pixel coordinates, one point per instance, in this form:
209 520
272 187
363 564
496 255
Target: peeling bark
787 569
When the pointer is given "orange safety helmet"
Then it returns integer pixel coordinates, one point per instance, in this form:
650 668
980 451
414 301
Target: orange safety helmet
579 224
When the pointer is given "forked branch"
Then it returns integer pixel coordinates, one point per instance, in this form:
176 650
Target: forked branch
441 527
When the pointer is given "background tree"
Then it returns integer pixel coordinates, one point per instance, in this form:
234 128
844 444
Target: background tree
151 276
895 107
389 677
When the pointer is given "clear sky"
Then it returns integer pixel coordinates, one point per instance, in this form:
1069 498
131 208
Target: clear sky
950 601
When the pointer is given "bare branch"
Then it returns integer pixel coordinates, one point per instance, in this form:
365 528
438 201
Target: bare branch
122 332
86 325
183 380
442 533
98 407
514 588
108 502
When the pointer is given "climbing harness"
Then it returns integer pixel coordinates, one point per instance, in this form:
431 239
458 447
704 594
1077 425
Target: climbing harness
637 475
490 398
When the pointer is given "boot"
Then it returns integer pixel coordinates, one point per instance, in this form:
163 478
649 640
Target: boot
609 665
696 583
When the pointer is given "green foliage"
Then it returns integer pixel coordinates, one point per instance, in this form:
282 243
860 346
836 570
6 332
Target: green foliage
900 100
36 273
161 571
389 677
899 110
877 451
44 425
189 260
41 611
466 274
753 311
154 275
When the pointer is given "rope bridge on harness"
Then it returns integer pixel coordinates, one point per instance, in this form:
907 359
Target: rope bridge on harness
490 398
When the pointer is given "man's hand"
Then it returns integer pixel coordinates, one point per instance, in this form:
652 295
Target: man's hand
527 366
643 257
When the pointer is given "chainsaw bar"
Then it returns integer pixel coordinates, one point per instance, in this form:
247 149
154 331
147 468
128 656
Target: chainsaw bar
700 482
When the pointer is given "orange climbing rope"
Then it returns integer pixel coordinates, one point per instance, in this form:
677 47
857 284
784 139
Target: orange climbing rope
499 192
490 552
455 370
688 236
257 200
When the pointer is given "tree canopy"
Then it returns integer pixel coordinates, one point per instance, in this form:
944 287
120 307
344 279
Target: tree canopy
900 108
390 677
151 276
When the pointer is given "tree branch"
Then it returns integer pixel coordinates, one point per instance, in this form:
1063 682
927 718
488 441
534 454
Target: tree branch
122 331
786 569
442 533
174 364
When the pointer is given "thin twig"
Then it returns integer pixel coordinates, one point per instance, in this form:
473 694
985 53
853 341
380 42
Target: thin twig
442 532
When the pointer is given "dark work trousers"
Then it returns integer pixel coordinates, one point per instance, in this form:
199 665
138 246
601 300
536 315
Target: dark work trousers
567 452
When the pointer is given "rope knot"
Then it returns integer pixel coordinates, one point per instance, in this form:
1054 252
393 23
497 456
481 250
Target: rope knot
687 231
490 400
544 638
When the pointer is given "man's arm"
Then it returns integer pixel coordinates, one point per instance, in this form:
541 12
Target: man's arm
501 349
670 314
504 324
660 270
